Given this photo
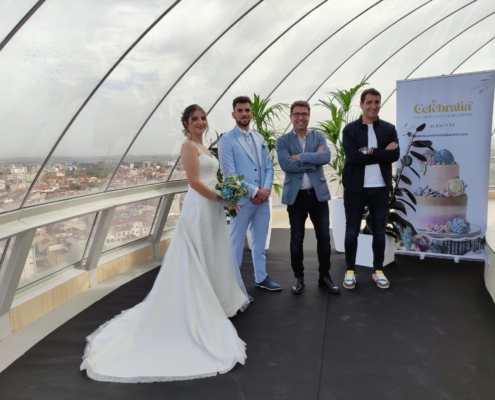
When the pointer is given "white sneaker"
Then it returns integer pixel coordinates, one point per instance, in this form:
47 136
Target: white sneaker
350 280
380 279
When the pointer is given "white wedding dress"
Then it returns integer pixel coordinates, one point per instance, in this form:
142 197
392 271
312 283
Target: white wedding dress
181 330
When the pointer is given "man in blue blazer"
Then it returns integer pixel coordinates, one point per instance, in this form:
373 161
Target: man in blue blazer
302 153
242 151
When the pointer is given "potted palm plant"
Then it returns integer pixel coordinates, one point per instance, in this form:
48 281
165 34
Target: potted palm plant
340 104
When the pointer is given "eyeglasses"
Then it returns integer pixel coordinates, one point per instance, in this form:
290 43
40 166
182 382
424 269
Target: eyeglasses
297 115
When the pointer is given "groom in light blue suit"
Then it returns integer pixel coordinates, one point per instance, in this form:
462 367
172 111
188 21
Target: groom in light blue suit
242 151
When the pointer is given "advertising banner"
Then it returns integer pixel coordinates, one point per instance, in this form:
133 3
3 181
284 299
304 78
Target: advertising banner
444 128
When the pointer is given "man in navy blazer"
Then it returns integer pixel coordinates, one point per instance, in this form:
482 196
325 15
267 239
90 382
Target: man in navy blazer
370 146
302 153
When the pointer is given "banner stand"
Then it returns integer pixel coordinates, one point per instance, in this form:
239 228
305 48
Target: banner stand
445 164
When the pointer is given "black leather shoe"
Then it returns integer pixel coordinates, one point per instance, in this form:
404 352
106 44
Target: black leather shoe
327 283
298 286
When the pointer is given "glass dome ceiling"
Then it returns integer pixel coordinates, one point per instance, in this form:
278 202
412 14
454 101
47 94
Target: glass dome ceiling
91 91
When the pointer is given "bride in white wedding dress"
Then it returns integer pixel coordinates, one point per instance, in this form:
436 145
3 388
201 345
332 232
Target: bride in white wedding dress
181 330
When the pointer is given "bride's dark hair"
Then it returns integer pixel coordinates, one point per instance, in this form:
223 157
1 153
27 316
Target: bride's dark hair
187 113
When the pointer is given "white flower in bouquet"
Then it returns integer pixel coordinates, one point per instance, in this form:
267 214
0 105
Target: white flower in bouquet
232 189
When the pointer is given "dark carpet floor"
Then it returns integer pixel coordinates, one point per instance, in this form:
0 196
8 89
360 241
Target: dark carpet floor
430 336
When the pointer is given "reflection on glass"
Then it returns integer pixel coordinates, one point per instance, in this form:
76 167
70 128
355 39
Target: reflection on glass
56 247
109 122
47 71
131 222
175 210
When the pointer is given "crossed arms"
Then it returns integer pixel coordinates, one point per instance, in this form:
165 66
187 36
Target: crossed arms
302 162
353 154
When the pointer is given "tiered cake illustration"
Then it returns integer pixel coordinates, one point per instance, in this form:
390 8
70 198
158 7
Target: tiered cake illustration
441 198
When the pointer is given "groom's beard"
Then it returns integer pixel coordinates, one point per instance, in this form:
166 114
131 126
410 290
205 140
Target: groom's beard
244 124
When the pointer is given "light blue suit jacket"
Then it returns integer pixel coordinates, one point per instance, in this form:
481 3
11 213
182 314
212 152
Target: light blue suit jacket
235 159
310 162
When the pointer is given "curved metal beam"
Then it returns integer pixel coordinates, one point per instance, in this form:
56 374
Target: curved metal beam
171 88
418 35
358 50
437 50
89 98
403 46
262 52
364 45
21 23
326 40
456 68
472 54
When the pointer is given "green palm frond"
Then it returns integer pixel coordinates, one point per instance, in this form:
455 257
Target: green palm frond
265 117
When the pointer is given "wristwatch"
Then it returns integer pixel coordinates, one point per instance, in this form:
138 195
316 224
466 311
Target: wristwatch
364 150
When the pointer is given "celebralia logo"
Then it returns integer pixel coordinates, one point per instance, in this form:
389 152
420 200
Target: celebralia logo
440 108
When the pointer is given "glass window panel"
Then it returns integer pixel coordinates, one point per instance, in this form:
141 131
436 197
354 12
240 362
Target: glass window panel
175 210
208 78
110 121
131 222
142 170
402 65
47 71
56 247
329 58
482 60
11 12
301 40
178 173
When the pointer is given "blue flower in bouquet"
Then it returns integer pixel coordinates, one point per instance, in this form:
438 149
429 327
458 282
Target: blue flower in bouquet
232 189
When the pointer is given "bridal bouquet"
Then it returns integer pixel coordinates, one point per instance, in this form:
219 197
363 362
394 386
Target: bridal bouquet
231 190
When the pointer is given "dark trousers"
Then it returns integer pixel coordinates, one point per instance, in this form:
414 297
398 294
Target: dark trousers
307 203
377 200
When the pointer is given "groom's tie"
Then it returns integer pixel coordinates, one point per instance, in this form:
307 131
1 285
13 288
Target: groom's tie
252 147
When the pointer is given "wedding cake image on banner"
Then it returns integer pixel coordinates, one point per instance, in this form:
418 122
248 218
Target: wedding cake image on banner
441 197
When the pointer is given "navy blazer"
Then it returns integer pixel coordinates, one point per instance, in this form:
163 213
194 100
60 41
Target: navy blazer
310 162
355 136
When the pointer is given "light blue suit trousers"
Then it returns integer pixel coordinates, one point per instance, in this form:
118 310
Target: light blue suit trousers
236 158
